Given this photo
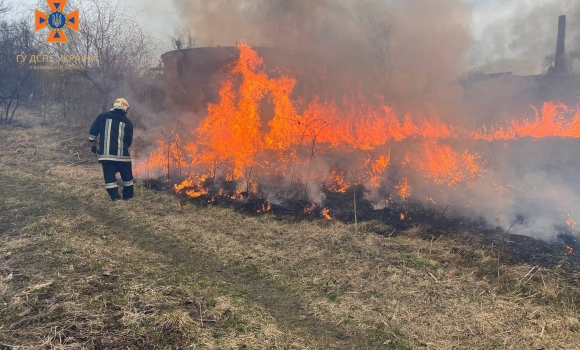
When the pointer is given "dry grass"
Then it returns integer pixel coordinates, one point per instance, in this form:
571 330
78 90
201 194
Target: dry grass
77 271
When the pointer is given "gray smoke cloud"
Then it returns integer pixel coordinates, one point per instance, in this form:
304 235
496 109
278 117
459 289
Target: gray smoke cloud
417 53
520 36
408 50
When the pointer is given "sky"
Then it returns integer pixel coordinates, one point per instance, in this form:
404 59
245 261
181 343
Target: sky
149 9
146 11
498 44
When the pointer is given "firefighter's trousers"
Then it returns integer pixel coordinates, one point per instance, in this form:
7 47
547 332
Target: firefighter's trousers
110 169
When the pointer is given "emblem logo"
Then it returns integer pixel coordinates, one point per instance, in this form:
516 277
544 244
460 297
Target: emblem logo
56 21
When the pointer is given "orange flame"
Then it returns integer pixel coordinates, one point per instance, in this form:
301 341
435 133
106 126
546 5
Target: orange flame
404 189
171 153
195 194
232 135
239 140
378 168
445 166
571 222
185 184
193 189
326 214
309 209
337 183
266 207
552 121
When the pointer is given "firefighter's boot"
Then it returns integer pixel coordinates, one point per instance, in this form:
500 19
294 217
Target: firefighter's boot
114 193
128 192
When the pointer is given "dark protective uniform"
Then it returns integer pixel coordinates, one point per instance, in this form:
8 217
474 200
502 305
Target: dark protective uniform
115 132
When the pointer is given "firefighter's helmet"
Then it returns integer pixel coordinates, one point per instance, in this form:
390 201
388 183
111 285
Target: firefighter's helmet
122 104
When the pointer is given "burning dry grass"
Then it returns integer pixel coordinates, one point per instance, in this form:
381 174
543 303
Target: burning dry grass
77 271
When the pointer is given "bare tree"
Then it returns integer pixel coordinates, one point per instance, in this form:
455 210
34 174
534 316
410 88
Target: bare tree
117 49
371 17
16 83
184 39
3 7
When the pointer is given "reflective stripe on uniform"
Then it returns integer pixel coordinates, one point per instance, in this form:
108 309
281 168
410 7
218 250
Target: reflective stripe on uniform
107 136
120 139
115 158
128 183
111 185
92 138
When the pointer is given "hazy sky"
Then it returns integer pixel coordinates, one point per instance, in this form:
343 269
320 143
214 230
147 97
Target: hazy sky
497 41
147 11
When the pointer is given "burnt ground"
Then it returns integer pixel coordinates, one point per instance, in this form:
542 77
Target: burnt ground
562 251
161 272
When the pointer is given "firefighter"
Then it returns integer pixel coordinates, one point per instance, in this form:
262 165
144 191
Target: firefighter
115 132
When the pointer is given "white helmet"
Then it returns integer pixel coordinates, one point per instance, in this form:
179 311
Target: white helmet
122 104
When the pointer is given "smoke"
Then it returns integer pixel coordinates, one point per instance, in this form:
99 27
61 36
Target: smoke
520 36
408 50
529 186
416 55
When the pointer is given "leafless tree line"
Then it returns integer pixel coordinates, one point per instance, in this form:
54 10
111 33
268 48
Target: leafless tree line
184 39
120 53
125 53
15 39
369 16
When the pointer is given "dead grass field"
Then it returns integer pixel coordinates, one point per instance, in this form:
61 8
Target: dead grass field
159 272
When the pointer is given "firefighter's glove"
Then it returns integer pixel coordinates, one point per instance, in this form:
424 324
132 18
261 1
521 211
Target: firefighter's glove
94 151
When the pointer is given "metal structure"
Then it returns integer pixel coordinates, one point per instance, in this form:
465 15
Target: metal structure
560 66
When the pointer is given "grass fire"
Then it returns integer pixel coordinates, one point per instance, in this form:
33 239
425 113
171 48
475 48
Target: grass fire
289 174
259 142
